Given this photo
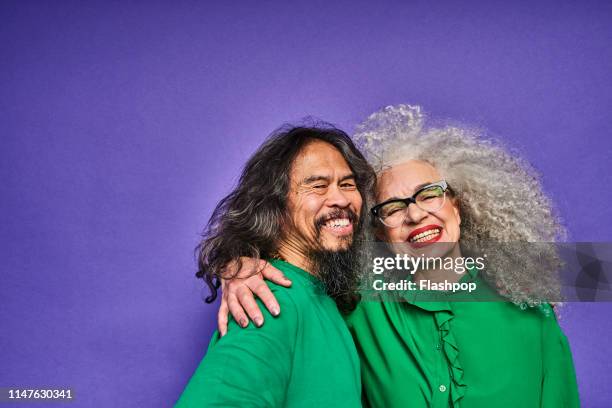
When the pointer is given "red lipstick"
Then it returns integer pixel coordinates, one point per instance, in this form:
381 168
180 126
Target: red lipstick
425 229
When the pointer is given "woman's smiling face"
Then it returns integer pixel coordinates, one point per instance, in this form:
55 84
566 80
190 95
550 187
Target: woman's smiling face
420 228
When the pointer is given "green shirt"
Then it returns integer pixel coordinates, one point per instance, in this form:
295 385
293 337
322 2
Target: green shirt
305 357
466 354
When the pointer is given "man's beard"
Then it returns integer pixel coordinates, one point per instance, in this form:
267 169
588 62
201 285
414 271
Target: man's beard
339 270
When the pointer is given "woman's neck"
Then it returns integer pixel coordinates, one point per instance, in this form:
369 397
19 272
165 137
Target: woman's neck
442 274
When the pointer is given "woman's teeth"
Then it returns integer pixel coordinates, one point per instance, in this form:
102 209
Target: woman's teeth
425 236
337 223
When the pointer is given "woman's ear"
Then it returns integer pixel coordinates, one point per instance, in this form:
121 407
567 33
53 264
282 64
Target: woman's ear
456 208
379 233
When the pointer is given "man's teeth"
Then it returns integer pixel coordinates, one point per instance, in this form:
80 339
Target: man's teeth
425 236
337 223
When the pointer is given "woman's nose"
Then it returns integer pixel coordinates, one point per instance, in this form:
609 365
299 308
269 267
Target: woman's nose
414 214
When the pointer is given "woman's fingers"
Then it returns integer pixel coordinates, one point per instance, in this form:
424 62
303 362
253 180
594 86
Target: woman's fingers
248 303
222 317
240 289
262 291
236 310
274 275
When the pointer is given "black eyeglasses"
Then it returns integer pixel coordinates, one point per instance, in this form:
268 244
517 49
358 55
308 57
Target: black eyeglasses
430 198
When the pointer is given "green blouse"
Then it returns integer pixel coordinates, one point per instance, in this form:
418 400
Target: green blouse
468 354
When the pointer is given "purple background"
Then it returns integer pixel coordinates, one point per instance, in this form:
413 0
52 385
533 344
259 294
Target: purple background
123 123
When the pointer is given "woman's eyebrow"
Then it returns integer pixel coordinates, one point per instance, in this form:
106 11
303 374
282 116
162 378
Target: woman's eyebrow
420 186
417 188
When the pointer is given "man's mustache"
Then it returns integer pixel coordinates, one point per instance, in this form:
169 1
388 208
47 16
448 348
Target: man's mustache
337 213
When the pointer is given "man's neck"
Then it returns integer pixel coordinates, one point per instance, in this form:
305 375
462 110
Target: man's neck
291 253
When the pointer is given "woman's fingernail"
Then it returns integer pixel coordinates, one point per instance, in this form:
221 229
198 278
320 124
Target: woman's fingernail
274 311
258 321
243 322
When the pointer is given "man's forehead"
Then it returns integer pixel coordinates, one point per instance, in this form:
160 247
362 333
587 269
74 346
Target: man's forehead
321 159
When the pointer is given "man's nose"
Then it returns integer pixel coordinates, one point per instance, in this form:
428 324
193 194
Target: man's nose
337 198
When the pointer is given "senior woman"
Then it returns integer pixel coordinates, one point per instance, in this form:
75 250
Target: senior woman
449 185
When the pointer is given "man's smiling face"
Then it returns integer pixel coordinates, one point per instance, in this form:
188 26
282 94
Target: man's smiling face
324 202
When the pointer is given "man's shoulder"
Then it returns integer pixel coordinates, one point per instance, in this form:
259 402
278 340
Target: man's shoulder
284 325
288 298
304 285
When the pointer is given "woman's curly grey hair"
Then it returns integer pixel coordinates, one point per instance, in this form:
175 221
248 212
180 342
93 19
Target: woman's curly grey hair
504 211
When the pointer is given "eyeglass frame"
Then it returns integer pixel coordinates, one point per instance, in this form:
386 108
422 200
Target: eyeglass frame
411 200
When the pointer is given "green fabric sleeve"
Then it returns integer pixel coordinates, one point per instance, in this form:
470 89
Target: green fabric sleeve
559 387
248 367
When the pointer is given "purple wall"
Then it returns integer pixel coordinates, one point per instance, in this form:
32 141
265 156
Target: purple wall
123 124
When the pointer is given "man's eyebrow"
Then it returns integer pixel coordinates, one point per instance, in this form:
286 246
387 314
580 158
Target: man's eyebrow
347 177
314 178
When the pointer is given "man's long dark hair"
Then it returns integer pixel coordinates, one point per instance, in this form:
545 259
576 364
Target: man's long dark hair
248 221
